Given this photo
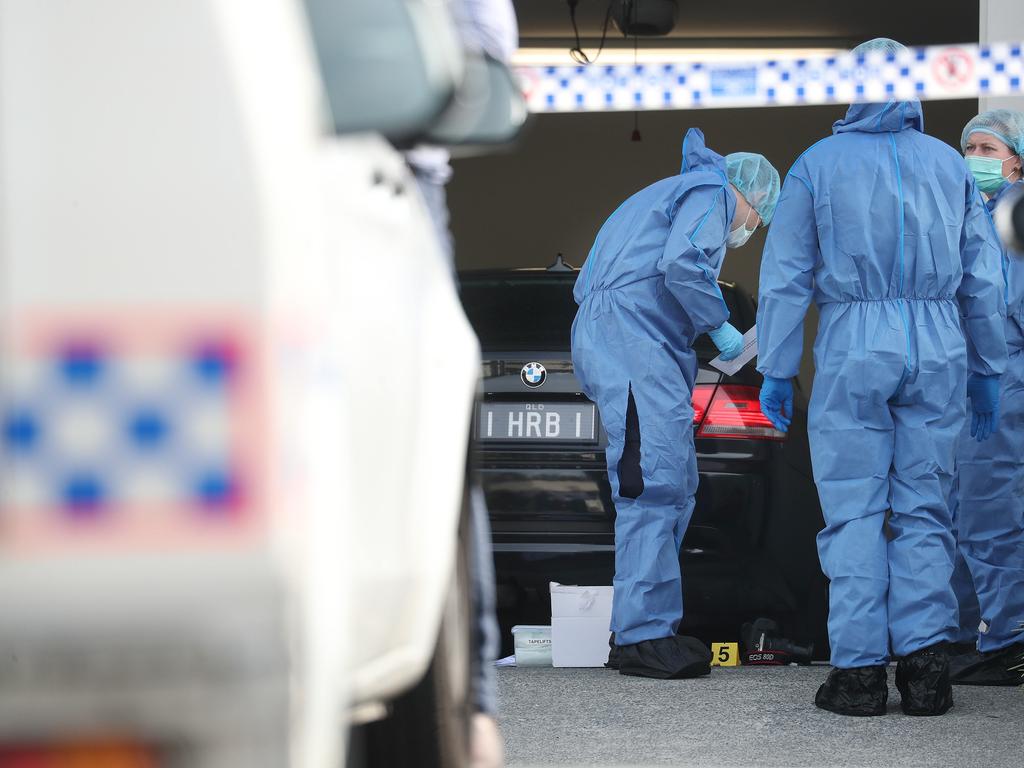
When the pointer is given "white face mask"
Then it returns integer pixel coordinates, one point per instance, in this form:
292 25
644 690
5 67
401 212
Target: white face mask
741 234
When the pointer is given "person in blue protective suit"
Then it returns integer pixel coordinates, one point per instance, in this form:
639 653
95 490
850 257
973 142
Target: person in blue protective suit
647 290
988 508
884 228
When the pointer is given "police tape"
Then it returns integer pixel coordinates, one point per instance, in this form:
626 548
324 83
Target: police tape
934 72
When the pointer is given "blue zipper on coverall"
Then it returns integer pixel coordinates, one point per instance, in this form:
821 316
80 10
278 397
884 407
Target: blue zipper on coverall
900 299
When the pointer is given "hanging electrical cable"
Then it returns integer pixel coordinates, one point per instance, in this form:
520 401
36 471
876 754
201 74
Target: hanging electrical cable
577 53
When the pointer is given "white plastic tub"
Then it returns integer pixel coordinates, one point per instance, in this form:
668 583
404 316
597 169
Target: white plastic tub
533 645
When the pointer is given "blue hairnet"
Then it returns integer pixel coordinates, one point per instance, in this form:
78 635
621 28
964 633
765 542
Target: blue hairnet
883 44
1006 125
756 180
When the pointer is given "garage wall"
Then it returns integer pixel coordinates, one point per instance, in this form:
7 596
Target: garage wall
1001 21
570 172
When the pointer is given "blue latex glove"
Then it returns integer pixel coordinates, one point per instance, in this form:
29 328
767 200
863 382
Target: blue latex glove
777 402
728 340
983 392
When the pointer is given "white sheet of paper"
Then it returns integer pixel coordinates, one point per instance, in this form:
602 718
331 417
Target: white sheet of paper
730 367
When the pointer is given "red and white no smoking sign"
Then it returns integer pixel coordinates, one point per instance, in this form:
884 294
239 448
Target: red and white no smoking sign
953 69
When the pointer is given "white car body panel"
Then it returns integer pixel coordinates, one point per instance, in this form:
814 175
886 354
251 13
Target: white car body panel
160 179
414 366
165 166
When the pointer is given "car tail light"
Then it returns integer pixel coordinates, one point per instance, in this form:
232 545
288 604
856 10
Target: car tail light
701 399
735 412
88 755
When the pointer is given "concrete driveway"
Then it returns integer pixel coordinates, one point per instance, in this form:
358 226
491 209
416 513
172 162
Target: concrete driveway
744 716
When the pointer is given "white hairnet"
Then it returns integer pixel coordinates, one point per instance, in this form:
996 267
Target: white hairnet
883 44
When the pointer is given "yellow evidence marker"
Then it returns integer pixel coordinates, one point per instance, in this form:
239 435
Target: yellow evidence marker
725 654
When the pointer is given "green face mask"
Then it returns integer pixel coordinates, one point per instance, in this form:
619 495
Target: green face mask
987 172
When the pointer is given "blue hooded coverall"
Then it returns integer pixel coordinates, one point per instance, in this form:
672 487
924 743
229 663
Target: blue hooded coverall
647 290
988 498
883 226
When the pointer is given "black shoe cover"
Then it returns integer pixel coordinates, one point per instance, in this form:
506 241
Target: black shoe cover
613 653
1002 667
859 692
667 658
923 682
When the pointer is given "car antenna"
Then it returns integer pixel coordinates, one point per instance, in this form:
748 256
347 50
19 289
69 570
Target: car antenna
561 265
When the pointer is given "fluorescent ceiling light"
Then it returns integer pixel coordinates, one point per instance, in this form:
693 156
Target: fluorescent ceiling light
558 57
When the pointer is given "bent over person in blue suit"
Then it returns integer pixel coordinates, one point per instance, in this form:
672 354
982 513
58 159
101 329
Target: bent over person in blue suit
884 228
647 290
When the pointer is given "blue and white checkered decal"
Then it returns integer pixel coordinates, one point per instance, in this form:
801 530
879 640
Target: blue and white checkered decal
936 72
86 431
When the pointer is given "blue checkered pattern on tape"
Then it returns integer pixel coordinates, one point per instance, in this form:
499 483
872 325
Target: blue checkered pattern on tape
937 72
85 431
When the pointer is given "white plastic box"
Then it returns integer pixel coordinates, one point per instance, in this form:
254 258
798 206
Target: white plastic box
580 617
533 645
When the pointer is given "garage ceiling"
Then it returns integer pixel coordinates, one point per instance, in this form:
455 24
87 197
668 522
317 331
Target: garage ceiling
784 23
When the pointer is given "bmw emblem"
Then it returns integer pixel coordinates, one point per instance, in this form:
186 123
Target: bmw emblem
533 375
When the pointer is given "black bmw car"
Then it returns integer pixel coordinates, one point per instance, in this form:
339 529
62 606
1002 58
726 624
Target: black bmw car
538 444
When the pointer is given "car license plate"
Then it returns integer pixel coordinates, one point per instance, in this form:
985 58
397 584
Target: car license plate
563 422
